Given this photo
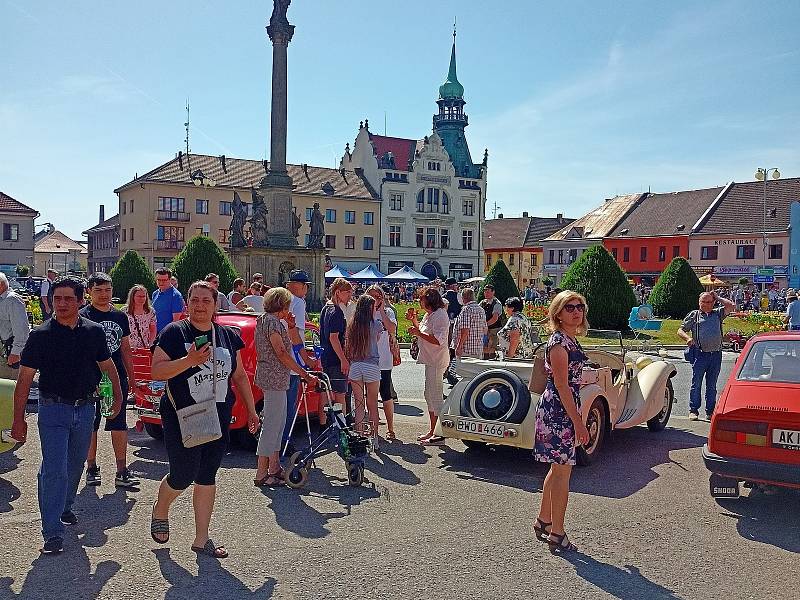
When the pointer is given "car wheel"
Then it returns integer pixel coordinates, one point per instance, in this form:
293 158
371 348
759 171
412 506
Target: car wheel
476 445
658 422
496 395
597 424
154 431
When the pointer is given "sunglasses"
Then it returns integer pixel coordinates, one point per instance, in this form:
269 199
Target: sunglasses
573 307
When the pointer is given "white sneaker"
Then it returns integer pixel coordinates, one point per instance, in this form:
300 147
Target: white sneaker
693 416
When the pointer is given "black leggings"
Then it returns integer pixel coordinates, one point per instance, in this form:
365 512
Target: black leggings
191 465
386 385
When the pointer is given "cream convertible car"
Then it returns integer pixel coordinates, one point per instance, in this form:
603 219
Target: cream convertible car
492 404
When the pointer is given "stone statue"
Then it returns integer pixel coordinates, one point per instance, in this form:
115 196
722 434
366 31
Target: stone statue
295 224
317 237
238 220
279 13
258 221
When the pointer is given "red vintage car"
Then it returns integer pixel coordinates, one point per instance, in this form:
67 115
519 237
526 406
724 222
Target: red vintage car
755 431
148 396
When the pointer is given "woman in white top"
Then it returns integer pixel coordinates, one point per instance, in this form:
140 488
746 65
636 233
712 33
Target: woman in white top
432 337
141 317
254 299
386 361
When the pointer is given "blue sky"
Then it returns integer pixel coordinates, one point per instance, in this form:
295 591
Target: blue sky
576 101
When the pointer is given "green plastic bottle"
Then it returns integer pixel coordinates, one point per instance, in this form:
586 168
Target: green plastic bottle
106 396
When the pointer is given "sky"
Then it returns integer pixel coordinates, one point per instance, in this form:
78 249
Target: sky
576 101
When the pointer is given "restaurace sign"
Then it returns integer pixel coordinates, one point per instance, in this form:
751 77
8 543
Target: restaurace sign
746 242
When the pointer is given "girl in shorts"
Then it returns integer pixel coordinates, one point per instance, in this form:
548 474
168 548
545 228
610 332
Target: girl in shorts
361 347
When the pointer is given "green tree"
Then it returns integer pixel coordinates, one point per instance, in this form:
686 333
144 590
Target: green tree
676 291
22 270
743 281
547 281
200 256
598 277
500 277
130 270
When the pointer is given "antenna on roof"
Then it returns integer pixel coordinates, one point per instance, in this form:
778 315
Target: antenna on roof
186 125
495 209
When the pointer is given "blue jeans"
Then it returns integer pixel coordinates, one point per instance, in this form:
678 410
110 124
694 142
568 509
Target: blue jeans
291 405
64 432
708 365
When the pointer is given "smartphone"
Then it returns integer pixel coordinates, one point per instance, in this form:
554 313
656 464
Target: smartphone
200 341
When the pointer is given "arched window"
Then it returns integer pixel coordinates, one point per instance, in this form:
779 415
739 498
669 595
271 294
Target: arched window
445 203
421 201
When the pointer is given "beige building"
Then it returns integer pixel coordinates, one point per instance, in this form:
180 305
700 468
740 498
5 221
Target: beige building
187 196
102 242
16 234
55 250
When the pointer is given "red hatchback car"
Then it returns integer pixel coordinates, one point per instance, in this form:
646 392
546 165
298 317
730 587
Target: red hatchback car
755 431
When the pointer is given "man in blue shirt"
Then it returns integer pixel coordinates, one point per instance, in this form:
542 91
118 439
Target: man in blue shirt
792 318
167 301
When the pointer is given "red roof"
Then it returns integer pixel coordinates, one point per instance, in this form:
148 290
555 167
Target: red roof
401 148
8 204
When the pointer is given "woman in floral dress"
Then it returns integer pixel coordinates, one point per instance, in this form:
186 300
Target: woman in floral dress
559 426
141 317
517 338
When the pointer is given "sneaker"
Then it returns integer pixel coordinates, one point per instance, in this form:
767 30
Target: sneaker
126 479
54 545
708 416
68 518
93 476
693 416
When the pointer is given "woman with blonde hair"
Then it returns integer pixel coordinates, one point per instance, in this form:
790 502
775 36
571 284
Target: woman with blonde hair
559 424
141 317
332 328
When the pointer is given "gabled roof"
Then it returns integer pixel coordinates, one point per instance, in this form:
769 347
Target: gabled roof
597 223
109 223
674 213
505 233
9 204
56 242
402 150
242 173
741 209
542 227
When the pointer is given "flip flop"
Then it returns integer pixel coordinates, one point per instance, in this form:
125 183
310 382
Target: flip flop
391 436
158 527
211 549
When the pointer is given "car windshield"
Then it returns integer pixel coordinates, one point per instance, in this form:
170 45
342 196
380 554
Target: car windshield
772 360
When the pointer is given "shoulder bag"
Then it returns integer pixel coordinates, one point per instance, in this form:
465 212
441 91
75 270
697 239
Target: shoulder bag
199 422
538 380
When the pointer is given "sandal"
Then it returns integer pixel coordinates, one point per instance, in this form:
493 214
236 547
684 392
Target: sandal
262 482
540 529
212 550
560 543
275 479
391 436
158 527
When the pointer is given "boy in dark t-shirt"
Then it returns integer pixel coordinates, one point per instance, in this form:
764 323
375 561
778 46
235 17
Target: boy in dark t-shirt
117 329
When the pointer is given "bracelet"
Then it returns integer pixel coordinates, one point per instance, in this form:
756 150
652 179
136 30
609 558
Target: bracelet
298 347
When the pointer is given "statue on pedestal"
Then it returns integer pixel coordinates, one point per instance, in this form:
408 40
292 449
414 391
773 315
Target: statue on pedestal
258 220
317 237
237 239
279 13
296 224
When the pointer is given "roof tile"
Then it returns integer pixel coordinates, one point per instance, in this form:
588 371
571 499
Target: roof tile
743 206
9 204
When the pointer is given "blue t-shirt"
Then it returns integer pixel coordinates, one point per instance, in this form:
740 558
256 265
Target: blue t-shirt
793 312
165 304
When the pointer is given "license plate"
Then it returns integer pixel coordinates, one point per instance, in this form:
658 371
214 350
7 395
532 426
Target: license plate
481 428
786 438
723 487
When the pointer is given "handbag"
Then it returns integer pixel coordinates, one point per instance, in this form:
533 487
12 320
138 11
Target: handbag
199 422
414 350
538 380
394 346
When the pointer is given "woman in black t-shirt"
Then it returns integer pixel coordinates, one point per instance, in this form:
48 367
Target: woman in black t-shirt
188 371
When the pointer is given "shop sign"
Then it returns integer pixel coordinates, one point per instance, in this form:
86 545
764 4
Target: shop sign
742 242
733 270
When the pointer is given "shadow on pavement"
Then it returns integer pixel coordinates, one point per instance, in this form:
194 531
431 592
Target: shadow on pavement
625 465
386 468
772 519
408 410
627 583
8 491
97 514
212 580
67 575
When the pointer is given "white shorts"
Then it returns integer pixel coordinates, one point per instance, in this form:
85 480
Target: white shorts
364 372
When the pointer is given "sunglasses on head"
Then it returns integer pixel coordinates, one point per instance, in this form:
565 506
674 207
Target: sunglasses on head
573 307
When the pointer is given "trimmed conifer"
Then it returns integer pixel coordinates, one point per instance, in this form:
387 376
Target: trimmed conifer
500 277
676 291
130 270
200 256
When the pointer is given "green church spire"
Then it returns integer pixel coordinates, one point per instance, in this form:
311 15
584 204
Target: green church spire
451 88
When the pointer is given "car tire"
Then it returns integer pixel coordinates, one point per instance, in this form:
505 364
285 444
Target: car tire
597 424
154 431
658 422
510 406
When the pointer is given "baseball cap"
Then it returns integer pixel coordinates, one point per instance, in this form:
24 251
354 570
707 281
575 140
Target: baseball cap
299 276
258 276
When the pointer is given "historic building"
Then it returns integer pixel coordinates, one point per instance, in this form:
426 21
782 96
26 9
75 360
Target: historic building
193 195
54 249
433 195
16 234
102 243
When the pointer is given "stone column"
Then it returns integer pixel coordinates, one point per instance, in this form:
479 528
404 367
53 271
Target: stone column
280 34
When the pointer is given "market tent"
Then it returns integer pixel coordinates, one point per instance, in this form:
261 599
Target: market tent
335 272
711 281
368 273
406 273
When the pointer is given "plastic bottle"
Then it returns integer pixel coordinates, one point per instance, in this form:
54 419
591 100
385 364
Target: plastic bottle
106 396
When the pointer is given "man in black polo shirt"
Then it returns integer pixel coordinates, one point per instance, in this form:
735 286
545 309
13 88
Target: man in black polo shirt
69 351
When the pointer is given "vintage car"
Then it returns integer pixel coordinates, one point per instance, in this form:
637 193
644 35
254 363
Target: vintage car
149 393
755 431
493 404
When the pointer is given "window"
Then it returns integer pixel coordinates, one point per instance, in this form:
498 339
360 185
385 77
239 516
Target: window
420 237
395 201
130 234
468 207
433 200
369 218
709 253
309 212
445 203
561 257
395 235
201 207
614 253
745 252
349 217
434 166
552 257
676 251
124 235
368 243
444 238
500 257
223 238
466 239
131 205
626 254
225 208
349 242
511 259
488 260
430 237
169 234
662 253
330 240
643 253
775 251
124 207
172 204
10 232
421 201
330 215
534 260
307 240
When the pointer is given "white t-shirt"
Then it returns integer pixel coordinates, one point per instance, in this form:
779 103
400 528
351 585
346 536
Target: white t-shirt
436 324
297 306
45 289
255 302
385 361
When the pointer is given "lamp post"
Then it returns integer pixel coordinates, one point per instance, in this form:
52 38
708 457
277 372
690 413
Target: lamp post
763 175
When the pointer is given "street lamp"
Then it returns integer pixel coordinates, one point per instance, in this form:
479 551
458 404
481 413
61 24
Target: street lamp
763 175
199 178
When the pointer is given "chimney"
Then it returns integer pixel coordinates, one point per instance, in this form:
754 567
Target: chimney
525 215
500 216
560 217
102 213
